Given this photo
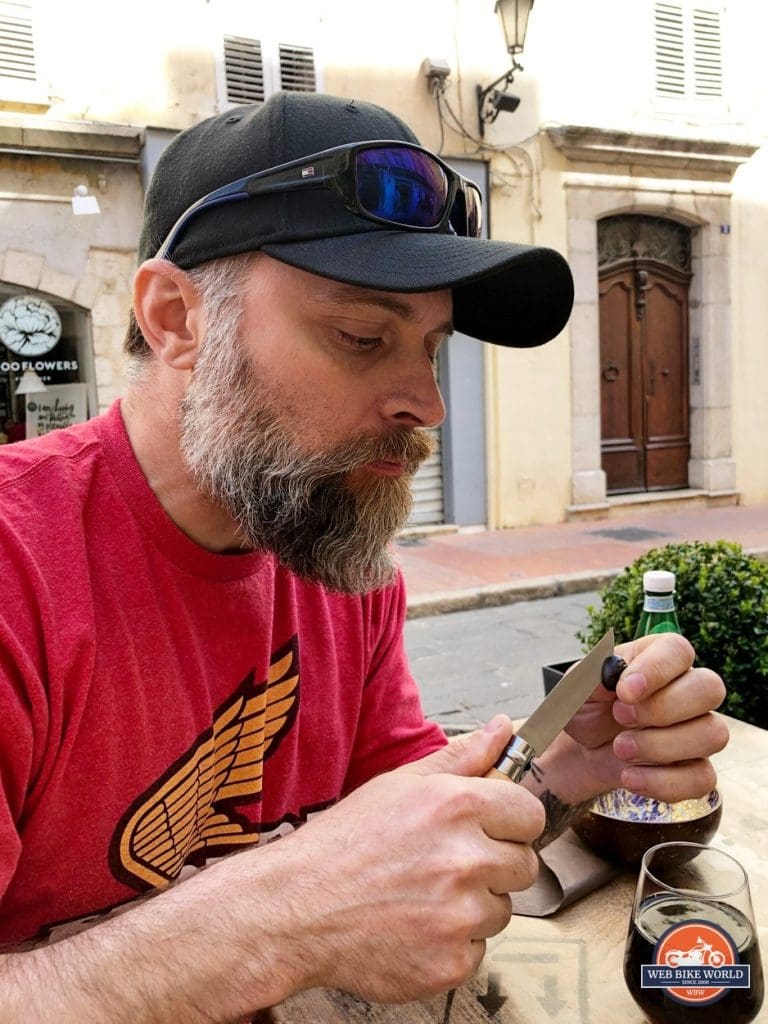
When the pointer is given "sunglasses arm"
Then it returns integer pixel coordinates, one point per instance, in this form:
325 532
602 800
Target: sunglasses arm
246 188
319 172
263 188
206 203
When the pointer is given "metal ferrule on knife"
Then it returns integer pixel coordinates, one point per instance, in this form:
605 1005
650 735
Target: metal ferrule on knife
516 759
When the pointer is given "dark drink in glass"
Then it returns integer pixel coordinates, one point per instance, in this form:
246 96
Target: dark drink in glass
655 917
692 953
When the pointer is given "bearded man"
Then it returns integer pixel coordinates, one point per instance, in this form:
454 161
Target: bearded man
201 638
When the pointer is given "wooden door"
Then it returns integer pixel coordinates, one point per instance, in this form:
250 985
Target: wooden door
644 377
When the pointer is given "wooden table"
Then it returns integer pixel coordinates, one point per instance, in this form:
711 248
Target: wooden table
567 969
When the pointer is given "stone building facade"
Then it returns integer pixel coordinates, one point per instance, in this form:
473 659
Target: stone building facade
607 138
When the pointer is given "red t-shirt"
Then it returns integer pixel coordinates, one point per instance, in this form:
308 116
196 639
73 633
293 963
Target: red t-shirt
162 705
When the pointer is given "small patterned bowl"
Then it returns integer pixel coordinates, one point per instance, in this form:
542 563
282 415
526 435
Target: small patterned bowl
621 825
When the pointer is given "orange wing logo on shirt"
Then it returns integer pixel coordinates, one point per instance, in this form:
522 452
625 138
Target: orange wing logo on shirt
184 812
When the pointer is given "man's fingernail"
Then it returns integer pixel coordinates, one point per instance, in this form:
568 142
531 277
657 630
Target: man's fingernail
495 723
635 684
625 746
625 714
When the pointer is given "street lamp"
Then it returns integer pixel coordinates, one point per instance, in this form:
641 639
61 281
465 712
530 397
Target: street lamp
491 100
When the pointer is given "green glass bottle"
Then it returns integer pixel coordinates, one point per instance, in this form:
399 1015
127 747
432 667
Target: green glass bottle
659 615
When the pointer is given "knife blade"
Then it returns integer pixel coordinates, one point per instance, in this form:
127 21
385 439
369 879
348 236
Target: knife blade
554 713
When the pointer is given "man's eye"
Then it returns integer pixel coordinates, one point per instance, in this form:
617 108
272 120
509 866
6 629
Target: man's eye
360 343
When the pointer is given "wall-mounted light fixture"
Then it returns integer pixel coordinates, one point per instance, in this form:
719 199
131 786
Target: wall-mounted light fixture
82 202
492 99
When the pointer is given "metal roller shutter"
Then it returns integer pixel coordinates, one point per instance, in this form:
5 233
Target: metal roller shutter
427 489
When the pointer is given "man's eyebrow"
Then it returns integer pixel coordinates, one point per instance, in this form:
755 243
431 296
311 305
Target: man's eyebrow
353 294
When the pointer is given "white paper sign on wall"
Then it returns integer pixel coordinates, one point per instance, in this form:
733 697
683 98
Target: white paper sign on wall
58 406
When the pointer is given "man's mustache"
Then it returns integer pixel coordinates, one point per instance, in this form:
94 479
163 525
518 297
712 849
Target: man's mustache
409 446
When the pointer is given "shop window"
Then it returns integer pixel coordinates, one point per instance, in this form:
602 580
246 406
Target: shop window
46 364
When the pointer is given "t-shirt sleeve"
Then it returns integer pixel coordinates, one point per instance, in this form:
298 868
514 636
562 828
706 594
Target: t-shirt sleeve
25 721
392 729
16 755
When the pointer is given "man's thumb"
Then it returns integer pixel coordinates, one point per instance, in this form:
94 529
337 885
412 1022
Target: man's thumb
471 754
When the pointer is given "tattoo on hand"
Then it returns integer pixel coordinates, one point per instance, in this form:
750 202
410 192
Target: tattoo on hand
559 814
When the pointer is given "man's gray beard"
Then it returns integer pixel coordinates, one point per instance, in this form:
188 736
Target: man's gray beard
302 507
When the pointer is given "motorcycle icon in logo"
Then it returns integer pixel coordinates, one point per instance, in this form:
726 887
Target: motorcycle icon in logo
700 954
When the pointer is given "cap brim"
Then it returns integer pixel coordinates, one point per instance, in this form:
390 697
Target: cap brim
514 295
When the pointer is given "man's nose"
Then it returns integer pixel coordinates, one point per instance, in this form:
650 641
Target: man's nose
415 399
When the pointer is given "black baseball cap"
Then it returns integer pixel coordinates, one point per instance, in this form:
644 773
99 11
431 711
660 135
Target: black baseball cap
505 293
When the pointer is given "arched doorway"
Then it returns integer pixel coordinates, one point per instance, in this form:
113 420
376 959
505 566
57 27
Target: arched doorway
644 275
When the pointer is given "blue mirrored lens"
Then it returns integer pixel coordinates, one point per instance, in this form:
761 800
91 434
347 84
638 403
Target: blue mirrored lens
401 185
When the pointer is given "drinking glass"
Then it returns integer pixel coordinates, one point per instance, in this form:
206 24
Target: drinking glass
692 953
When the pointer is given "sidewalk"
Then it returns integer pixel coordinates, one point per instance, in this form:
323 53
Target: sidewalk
455 571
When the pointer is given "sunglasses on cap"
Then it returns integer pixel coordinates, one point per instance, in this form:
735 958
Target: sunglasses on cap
393 183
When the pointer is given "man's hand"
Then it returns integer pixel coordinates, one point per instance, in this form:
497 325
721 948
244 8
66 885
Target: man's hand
390 894
655 734
409 875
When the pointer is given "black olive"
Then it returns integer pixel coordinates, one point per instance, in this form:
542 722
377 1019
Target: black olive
612 668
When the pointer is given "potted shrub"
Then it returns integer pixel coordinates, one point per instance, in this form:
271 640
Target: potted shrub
722 605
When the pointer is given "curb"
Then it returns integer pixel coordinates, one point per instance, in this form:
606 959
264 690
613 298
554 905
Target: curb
493 595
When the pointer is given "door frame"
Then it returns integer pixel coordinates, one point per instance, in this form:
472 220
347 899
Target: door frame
705 207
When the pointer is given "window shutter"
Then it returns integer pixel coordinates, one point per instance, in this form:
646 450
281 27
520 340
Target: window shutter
17 45
688 52
244 70
297 68
670 52
707 57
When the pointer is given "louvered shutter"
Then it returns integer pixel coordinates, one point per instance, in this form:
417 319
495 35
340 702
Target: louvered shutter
707 56
670 51
297 68
17 46
244 70
688 52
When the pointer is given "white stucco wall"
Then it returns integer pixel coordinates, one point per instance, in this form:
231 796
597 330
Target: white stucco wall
750 329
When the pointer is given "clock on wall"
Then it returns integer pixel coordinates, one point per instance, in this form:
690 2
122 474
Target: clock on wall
29 326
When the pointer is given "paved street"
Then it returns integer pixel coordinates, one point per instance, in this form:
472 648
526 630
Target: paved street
472 664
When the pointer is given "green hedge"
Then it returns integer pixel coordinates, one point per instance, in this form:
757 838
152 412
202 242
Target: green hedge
722 605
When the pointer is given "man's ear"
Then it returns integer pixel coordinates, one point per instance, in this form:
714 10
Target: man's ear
168 310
